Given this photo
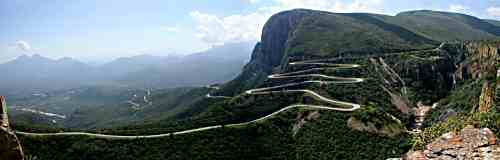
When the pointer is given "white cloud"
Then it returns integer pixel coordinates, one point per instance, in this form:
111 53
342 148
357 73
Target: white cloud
24 46
494 11
216 30
458 8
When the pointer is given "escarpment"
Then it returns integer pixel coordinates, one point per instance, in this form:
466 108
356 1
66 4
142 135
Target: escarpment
487 56
481 65
10 148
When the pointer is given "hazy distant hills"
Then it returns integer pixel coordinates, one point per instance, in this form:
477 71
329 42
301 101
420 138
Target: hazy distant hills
37 73
401 61
494 22
28 74
125 65
213 66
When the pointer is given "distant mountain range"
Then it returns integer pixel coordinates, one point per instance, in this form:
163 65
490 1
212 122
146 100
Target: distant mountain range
414 60
29 74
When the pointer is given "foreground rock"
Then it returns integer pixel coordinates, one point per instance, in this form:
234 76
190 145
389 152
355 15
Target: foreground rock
10 148
470 144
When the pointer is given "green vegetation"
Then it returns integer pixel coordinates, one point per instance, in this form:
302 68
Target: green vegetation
461 100
351 34
445 26
337 141
270 139
397 59
175 103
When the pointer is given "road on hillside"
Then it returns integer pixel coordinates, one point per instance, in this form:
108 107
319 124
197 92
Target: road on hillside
258 91
344 106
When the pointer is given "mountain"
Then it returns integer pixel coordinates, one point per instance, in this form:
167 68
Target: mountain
314 34
29 74
219 64
405 81
36 73
126 65
494 22
111 87
444 26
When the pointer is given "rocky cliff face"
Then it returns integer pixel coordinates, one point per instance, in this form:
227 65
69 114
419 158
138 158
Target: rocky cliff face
482 64
10 148
487 98
488 57
267 54
275 35
470 144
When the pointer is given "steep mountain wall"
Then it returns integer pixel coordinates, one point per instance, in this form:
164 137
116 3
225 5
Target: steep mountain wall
308 34
481 63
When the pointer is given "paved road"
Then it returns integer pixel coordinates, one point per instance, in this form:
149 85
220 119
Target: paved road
210 96
115 136
343 106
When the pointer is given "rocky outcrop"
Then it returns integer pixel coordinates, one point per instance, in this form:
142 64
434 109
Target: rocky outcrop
275 35
487 97
485 58
10 148
479 61
475 59
470 144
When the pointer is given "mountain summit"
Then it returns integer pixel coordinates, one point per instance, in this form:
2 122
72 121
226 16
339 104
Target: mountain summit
310 34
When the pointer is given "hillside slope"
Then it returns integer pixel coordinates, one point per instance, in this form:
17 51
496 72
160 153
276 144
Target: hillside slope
29 75
445 26
308 34
402 70
494 22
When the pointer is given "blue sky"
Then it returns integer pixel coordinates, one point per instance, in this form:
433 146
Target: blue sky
105 29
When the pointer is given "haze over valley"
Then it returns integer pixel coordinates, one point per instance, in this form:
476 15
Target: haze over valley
251 79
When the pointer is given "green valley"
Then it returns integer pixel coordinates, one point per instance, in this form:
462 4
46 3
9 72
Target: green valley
319 85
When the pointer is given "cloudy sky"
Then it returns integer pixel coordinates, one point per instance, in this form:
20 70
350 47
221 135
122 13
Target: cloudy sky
93 29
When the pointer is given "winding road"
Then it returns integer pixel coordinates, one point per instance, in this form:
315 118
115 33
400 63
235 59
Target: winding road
341 106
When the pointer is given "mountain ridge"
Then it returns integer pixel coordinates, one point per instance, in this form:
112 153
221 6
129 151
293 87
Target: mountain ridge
403 67
286 34
27 74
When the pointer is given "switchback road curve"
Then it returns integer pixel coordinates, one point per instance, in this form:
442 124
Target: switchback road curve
341 106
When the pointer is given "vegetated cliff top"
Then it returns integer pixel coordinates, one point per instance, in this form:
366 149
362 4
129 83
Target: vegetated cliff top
314 34
324 34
